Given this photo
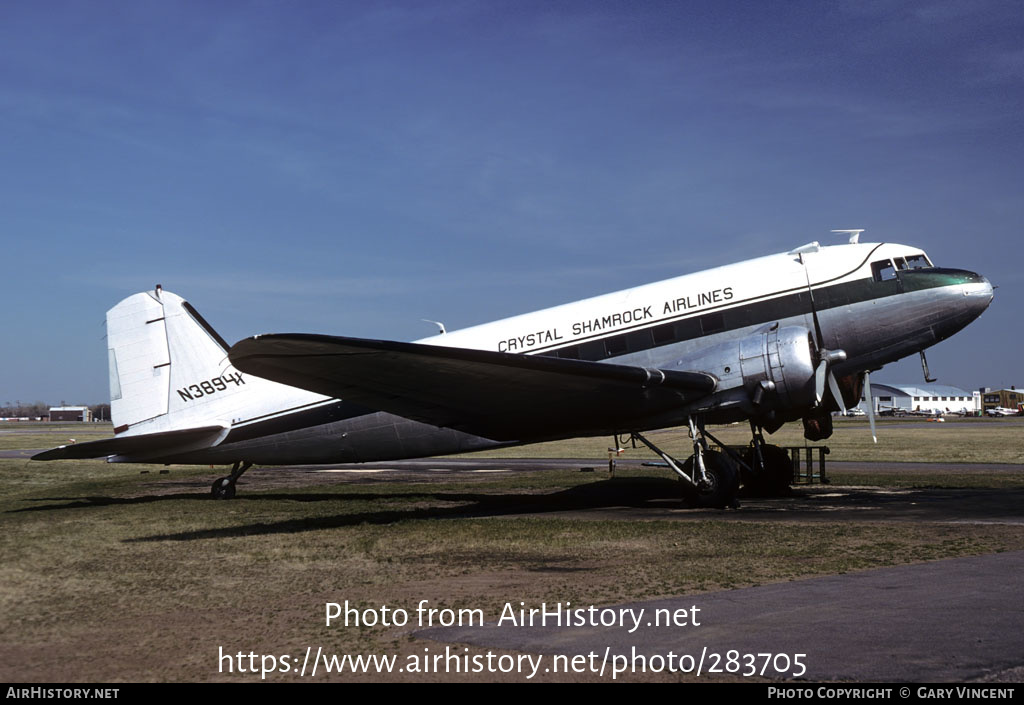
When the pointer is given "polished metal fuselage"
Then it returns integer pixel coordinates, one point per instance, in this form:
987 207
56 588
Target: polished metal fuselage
831 293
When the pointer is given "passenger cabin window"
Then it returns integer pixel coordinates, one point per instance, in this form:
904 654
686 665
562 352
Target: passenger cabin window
883 270
615 346
664 334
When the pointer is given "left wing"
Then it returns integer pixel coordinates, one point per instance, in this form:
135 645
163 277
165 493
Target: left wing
501 396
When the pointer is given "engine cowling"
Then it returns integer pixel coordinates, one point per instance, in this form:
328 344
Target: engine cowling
772 369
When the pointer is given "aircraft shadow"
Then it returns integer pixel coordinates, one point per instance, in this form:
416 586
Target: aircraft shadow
97 501
659 495
632 492
642 492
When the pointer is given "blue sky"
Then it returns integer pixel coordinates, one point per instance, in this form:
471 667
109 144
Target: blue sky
353 167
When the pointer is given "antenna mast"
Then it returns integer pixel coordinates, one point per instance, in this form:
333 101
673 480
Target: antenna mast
854 234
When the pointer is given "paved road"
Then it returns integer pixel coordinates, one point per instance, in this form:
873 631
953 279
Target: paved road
19 453
954 620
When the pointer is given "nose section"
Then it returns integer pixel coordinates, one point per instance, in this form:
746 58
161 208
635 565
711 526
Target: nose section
978 292
960 297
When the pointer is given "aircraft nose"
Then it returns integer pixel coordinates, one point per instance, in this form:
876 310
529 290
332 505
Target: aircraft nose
979 292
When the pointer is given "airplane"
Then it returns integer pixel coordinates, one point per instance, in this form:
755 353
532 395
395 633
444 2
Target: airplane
1003 411
776 339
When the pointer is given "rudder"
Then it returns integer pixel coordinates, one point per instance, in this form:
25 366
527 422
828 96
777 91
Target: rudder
166 364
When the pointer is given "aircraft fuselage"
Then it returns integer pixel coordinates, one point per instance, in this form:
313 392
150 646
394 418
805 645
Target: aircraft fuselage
875 302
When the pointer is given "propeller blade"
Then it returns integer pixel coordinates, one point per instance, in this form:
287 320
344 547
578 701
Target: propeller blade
826 358
819 380
838 395
871 405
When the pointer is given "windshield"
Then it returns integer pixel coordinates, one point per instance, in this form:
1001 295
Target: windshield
886 269
883 270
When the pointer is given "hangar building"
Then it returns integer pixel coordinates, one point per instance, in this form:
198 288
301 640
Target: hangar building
70 413
929 398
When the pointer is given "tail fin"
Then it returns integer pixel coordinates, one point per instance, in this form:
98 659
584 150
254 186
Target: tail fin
172 387
167 362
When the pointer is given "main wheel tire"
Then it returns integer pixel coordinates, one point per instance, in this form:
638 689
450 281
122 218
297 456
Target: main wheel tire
776 476
723 481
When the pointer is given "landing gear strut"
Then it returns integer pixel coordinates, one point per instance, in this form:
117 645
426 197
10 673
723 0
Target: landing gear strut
767 470
711 477
224 487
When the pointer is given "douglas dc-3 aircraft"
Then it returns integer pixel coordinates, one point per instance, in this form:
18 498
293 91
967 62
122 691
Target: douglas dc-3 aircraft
769 340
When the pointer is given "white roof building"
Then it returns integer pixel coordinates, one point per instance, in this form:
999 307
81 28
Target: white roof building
928 398
70 413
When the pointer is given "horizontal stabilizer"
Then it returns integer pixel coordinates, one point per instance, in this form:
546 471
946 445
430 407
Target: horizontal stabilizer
144 444
496 395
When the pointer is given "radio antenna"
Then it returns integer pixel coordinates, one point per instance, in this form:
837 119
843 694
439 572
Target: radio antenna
854 234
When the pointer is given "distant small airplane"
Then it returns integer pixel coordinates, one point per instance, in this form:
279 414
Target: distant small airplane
781 338
1002 411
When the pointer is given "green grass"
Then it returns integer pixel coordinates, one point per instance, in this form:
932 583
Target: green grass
83 551
40 435
110 574
939 479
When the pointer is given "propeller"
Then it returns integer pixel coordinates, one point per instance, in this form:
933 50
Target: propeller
823 373
871 405
826 358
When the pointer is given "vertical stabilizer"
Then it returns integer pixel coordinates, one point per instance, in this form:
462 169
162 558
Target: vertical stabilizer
168 368
169 371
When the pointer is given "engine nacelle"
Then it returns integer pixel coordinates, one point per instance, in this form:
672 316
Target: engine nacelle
768 370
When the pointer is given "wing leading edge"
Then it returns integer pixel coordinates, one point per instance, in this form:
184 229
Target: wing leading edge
501 396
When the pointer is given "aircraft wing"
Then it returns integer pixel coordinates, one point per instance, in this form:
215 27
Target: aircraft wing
144 444
500 396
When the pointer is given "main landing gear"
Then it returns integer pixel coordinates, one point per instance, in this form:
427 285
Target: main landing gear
711 478
766 470
224 487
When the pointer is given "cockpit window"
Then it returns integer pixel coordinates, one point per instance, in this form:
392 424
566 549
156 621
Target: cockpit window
883 270
886 269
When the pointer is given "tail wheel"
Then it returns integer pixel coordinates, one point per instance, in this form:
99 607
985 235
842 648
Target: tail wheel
223 488
723 481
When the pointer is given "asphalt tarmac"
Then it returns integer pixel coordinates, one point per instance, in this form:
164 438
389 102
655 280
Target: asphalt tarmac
955 620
